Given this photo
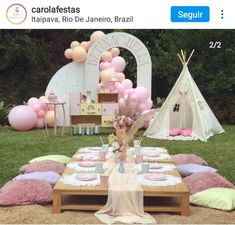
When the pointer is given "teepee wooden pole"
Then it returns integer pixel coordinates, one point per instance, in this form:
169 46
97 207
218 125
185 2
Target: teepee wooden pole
185 55
180 58
190 56
182 55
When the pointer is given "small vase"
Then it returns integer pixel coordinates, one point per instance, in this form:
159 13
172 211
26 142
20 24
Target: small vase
88 97
121 168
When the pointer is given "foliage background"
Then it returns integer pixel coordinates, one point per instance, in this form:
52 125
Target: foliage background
29 59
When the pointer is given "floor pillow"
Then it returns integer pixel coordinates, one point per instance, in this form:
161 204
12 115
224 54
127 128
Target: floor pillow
217 198
58 158
49 176
186 132
202 181
188 169
175 131
22 192
43 166
188 158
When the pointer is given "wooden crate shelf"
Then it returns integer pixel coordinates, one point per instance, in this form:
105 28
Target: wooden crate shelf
107 97
95 119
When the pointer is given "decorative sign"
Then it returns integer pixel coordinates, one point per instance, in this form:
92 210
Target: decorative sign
123 40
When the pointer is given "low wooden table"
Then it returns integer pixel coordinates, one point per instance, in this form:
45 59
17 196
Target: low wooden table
179 192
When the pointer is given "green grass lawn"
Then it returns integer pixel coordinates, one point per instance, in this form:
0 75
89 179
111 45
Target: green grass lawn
17 148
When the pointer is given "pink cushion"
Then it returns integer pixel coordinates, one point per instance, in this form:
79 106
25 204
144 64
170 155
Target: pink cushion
186 132
175 131
188 158
202 181
49 176
22 192
43 166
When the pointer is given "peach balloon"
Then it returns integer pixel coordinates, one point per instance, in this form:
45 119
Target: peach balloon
115 51
121 77
49 118
106 75
50 108
79 54
96 35
68 53
74 44
85 45
40 123
107 57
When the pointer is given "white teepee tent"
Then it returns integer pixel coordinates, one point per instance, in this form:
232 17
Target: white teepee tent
185 107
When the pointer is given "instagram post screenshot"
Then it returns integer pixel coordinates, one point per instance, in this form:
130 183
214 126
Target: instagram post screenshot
117 112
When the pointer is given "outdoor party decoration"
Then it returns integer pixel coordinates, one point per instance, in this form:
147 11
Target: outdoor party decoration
22 118
185 107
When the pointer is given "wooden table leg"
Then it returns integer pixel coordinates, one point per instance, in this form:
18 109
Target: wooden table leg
184 201
56 202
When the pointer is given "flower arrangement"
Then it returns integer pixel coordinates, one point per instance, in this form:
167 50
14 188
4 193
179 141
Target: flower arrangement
126 127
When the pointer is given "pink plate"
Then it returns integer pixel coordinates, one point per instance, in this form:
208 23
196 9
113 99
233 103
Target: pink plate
156 177
87 163
86 177
151 153
155 166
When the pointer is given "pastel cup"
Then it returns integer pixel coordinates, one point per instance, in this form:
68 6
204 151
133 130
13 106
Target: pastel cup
105 147
136 143
138 158
102 155
98 168
104 180
137 149
145 167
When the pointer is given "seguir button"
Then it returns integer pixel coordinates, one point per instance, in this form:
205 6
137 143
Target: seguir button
190 14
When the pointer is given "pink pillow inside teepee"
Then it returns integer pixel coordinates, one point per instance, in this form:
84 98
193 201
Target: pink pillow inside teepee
186 132
43 166
22 192
175 131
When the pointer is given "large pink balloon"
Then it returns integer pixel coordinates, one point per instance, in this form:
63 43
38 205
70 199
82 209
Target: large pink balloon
134 97
118 63
141 107
22 118
127 84
142 93
32 101
79 54
40 123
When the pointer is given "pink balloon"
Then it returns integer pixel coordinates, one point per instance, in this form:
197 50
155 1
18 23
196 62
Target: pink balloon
22 118
142 93
40 123
68 53
79 54
127 83
126 97
32 101
41 113
149 103
37 107
133 97
118 63
141 107
106 65
122 104
132 105
43 104
121 89
101 66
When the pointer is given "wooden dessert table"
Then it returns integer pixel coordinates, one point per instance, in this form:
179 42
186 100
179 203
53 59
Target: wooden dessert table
154 196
